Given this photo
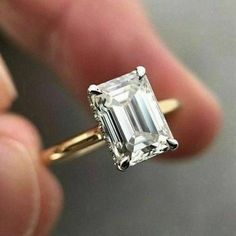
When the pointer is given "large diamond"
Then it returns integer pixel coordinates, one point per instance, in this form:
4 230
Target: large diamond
131 119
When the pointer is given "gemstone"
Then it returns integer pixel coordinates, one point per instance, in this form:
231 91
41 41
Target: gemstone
130 117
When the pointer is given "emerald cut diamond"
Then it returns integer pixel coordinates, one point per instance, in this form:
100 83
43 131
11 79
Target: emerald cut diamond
131 119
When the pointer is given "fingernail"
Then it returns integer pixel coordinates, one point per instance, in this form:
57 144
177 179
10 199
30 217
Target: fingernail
6 81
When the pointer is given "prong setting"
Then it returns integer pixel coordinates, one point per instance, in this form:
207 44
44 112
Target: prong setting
123 164
94 89
173 143
141 71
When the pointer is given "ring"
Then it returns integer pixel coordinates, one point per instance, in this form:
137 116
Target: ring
130 121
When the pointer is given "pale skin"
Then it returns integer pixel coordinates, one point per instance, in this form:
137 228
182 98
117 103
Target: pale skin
93 40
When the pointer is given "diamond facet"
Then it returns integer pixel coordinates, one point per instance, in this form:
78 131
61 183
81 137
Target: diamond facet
131 119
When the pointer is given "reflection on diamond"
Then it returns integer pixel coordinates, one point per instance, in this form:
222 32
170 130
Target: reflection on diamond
131 119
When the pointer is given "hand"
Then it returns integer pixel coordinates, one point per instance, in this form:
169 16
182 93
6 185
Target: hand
86 42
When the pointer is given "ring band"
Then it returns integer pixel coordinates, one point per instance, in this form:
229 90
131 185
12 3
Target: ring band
91 139
131 122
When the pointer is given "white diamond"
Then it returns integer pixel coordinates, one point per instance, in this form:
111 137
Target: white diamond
131 119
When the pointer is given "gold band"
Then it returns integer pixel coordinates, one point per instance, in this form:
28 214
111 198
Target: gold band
91 139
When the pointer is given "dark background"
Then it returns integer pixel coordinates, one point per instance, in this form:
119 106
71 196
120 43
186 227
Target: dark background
197 197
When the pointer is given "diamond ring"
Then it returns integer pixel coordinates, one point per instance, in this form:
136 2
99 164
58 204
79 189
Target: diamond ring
130 121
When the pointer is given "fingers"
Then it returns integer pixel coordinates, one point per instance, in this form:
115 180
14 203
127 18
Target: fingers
93 41
7 92
30 197
19 190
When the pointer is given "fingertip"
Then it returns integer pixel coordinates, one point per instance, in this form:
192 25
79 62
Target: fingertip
19 128
20 194
32 191
197 123
8 91
51 202
210 118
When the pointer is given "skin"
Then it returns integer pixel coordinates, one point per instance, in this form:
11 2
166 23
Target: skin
86 42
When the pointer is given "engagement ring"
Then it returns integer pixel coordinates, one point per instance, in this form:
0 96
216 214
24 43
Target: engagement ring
130 121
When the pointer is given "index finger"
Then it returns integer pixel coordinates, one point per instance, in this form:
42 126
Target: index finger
93 41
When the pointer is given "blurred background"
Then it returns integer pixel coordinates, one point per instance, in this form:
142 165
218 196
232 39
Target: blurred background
197 197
